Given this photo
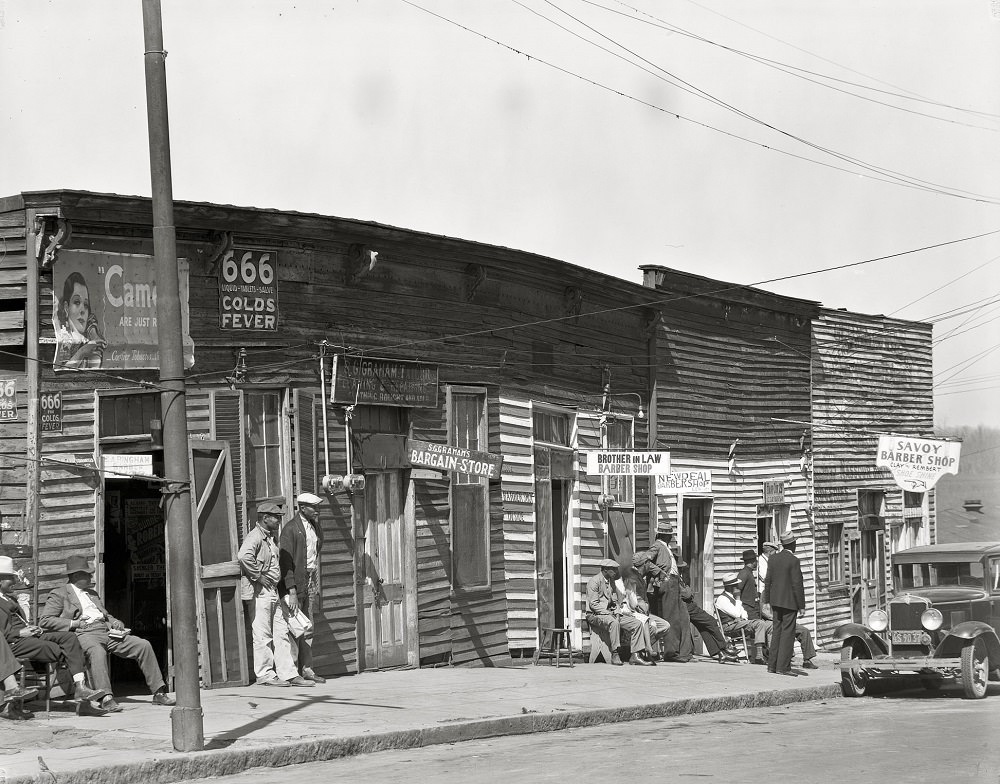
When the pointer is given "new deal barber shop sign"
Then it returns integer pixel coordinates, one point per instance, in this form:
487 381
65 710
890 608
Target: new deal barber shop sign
453 459
917 463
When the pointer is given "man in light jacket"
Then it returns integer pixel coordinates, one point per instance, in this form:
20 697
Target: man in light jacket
300 542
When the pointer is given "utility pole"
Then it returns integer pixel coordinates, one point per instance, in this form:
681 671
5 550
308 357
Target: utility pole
186 717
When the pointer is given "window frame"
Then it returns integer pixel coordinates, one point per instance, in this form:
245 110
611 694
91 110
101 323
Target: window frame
283 449
463 483
836 571
627 481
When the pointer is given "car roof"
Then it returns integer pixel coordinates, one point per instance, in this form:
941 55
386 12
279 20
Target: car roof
956 551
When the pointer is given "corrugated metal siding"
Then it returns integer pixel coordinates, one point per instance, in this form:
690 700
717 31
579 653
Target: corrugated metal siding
68 498
517 484
871 375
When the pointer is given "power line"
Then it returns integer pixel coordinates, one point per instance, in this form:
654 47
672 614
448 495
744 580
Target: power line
944 286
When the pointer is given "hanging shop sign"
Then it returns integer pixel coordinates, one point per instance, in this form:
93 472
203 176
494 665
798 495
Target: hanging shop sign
383 382
606 462
8 400
104 311
127 466
774 492
248 290
917 463
680 482
50 416
454 459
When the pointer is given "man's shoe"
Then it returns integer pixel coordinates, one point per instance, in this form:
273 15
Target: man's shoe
111 706
84 694
298 680
309 675
789 673
9 711
616 660
808 665
162 698
19 695
728 658
638 661
273 682
772 670
87 708
759 660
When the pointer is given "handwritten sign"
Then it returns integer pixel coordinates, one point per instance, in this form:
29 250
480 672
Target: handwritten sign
917 463
50 418
678 482
126 466
383 382
610 463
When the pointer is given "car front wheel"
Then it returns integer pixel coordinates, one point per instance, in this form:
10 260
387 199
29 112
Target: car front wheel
975 669
853 682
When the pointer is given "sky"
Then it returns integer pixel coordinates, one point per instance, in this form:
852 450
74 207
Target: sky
757 142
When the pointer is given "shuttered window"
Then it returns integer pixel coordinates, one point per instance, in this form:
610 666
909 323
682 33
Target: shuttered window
470 521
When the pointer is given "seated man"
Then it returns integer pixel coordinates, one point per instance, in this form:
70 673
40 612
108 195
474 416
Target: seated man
747 591
34 643
633 584
76 607
605 611
734 617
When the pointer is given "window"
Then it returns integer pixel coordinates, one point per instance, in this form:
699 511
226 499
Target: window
835 548
470 512
264 448
618 436
551 428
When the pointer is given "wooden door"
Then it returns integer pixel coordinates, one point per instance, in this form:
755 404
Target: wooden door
697 548
221 632
384 593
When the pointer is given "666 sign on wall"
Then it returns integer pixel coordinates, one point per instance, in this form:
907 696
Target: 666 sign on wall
248 290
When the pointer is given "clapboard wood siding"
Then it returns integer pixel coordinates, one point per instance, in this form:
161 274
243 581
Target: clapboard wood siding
871 375
590 533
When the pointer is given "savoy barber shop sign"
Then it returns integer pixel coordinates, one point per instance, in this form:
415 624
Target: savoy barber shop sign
917 463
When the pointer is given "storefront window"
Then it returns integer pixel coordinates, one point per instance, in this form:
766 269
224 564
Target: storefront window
263 457
470 519
618 436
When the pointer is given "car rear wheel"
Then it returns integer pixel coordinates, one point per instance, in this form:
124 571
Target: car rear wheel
853 682
975 669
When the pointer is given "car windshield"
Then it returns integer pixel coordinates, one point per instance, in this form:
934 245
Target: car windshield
926 575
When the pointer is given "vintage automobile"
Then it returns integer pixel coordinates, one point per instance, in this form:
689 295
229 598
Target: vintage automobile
940 625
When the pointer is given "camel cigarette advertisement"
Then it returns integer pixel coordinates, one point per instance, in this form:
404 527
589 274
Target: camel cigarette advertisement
104 311
917 463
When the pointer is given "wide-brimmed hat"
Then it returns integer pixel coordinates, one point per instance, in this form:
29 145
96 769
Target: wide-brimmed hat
78 563
730 578
7 566
310 499
787 538
749 555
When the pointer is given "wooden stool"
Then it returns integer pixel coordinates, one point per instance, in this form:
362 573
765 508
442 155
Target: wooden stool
558 642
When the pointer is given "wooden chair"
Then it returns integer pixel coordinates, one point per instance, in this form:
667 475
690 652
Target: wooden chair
738 637
558 645
41 675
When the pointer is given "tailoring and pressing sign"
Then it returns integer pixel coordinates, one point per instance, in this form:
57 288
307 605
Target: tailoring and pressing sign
454 459
610 463
50 418
126 466
383 382
917 463
248 290
8 400
677 482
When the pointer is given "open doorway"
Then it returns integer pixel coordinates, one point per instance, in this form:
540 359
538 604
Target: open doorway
697 548
134 572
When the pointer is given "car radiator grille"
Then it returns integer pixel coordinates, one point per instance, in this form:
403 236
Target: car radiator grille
906 616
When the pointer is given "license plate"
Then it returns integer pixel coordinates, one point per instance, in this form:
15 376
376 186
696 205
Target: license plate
907 638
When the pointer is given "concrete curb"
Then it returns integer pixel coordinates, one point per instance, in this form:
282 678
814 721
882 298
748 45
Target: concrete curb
229 761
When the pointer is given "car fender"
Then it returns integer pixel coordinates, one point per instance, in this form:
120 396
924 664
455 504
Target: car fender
855 631
958 636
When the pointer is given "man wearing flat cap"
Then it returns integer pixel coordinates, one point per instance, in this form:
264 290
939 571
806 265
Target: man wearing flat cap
76 607
784 592
606 611
299 545
273 660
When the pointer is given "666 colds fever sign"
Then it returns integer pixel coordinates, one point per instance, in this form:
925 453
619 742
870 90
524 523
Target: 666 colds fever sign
248 290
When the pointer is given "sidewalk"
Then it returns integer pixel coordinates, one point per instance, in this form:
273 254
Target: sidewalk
261 726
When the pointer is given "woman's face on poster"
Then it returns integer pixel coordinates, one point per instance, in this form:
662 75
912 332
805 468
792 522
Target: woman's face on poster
78 308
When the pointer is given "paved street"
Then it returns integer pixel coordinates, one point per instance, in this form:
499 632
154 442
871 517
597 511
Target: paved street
912 736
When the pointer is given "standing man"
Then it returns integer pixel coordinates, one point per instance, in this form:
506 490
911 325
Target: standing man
784 592
606 611
665 589
273 660
76 607
300 543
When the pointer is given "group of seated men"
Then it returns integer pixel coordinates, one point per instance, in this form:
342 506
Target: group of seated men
618 607
74 631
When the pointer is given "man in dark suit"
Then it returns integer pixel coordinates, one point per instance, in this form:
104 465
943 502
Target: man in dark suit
76 607
784 592
299 545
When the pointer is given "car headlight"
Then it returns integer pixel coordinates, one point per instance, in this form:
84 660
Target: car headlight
878 620
931 619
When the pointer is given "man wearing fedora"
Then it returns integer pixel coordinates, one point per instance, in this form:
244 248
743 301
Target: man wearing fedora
273 656
733 614
28 641
785 593
76 607
300 542
607 611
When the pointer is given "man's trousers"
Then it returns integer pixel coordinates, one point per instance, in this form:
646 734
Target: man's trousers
52 647
613 624
782 639
97 645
